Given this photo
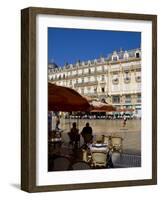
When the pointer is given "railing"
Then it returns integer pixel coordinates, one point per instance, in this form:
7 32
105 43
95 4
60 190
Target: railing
86 83
128 160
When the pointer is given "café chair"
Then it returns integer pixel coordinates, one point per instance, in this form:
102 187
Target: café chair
99 138
80 165
116 144
60 163
99 159
107 140
115 157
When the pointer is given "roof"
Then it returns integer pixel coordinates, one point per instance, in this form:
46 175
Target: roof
120 54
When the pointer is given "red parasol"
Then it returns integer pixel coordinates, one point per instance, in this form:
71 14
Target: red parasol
101 107
65 99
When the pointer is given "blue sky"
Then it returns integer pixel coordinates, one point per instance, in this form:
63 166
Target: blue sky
70 45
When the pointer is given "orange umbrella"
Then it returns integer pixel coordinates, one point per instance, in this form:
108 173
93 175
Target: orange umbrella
101 107
65 99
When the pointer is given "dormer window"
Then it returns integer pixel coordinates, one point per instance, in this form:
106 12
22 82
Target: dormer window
115 58
137 55
95 61
83 63
126 55
89 62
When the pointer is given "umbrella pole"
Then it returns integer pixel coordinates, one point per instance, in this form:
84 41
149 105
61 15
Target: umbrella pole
78 123
69 122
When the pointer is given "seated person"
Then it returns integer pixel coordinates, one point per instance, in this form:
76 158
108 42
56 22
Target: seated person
74 134
87 133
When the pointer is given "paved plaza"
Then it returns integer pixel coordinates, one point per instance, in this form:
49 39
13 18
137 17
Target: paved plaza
131 133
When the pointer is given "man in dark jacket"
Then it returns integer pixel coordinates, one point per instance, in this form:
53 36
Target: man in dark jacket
87 133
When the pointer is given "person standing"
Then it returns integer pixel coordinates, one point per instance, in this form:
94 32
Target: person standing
87 133
57 122
74 135
124 120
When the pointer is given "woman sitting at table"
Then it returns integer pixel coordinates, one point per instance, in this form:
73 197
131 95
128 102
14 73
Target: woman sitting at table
74 135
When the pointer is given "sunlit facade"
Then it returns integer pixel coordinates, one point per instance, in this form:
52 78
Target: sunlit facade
115 79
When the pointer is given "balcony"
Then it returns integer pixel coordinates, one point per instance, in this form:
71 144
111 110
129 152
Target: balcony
86 84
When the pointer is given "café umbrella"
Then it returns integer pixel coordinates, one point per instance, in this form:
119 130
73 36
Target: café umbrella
97 106
65 99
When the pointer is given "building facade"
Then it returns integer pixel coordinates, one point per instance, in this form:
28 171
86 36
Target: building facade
115 79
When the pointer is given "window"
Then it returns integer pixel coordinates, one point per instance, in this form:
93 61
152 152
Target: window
115 80
126 56
115 58
116 99
82 91
103 78
126 74
89 71
103 68
127 77
128 99
103 89
137 55
138 77
52 78
139 98
89 89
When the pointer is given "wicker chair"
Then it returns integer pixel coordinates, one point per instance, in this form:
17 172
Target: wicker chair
117 144
107 140
60 163
80 165
99 138
99 159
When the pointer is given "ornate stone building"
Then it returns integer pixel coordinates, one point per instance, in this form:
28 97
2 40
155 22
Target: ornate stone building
115 78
